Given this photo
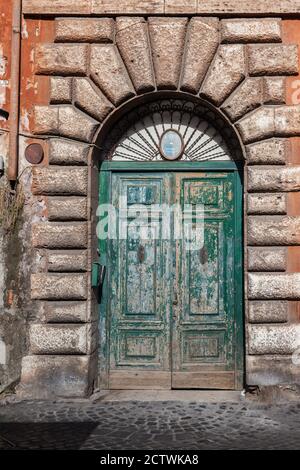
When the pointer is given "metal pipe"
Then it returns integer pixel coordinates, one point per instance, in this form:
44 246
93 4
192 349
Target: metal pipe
13 164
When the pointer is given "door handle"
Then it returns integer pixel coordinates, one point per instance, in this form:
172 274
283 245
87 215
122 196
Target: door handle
175 299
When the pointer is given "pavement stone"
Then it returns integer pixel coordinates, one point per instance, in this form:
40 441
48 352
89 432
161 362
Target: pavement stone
156 425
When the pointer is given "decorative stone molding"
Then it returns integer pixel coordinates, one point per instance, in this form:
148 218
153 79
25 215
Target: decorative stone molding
160 7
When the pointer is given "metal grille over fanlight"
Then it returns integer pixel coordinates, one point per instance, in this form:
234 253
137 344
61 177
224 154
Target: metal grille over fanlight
172 129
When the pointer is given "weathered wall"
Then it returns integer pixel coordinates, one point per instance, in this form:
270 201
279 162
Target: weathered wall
76 72
12 315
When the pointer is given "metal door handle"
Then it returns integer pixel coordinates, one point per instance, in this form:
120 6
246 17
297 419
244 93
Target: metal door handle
175 299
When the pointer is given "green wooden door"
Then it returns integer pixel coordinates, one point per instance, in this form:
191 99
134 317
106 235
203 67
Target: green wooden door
173 311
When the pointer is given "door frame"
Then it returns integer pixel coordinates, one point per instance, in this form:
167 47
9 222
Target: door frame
105 174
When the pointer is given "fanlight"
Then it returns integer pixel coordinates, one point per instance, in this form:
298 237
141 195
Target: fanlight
172 130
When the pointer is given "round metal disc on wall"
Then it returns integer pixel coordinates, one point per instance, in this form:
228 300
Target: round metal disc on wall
34 154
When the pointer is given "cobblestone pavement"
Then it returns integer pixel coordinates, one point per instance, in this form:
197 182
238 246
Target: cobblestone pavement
148 425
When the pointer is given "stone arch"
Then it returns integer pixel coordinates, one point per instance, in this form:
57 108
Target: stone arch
98 66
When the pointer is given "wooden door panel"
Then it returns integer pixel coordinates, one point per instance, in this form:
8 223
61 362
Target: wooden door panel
203 320
140 314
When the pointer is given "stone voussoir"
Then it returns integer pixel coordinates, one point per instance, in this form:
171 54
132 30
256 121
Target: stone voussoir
65 121
202 35
274 286
62 339
67 261
272 151
268 311
90 99
273 339
133 43
109 73
286 178
45 377
247 97
96 30
59 286
74 124
167 37
226 73
251 30
258 125
61 59
273 230
64 209
59 235
60 180
272 59
267 203
267 259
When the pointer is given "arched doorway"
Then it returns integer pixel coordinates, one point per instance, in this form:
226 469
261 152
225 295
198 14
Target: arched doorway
171 310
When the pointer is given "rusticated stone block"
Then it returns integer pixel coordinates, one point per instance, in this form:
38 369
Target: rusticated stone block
66 121
71 208
274 286
273 230
67 261
60 90
61 180
259 125
246 98
272 151
202 35
67 312
274 90
108 71
271 370
62 339
251 30
46 120
59 286
63 152
225 74
133 43
273 339
75 124
61 59
59 235
285 178
268 311
267 203
287 120
167 36
84 30
46 377
90 99
267 259
272 59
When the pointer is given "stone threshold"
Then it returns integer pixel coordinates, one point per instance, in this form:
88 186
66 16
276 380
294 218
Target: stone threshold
200 396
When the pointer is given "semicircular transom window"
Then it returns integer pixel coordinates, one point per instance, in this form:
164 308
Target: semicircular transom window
172 129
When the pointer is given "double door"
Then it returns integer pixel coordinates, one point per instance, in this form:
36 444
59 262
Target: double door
173 301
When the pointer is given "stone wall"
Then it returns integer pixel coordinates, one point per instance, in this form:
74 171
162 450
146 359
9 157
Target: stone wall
82 71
